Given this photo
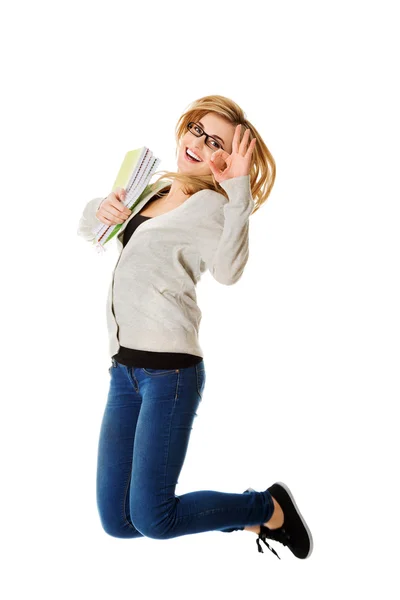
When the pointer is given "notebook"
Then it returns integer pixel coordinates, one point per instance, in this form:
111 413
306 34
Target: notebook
134 175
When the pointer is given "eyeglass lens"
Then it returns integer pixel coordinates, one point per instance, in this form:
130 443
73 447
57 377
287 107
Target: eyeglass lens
198 132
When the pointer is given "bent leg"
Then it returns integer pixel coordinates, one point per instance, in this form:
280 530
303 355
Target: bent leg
169 404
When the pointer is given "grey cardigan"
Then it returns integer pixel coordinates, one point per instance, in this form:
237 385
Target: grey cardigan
151 302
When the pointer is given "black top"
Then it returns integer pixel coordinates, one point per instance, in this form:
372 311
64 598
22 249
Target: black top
144 358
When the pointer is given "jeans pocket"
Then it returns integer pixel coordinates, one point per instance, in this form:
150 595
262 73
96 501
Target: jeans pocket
200 379
159 372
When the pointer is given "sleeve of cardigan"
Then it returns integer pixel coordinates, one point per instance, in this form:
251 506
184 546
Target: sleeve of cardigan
223 240
88 220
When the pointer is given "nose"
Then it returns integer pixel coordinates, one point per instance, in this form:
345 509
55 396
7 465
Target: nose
199 143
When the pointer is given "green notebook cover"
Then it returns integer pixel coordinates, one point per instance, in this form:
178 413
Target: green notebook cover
128 165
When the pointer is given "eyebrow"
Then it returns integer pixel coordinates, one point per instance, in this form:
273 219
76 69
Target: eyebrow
215 136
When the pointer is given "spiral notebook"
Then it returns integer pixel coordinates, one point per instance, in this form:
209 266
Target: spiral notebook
134 175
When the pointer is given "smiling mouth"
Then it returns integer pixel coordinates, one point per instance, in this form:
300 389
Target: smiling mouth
190 158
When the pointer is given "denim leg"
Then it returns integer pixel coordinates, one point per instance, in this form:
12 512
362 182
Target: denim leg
170 399
115 448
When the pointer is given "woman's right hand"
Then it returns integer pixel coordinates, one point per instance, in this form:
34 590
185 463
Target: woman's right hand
112 211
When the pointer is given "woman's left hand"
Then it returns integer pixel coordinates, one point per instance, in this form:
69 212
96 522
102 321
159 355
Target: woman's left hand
237 163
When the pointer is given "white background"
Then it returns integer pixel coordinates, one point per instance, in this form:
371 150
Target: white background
301 355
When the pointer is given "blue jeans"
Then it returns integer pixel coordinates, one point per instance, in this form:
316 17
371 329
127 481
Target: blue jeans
143 441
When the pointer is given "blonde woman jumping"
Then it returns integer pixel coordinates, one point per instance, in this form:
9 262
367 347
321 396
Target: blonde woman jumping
187 222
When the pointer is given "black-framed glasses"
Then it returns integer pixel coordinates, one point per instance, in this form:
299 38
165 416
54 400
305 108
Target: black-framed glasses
199 131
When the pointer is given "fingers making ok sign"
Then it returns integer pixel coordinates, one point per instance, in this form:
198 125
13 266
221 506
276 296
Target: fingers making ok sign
238 163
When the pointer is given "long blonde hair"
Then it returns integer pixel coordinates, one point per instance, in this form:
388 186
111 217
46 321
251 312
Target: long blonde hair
263 168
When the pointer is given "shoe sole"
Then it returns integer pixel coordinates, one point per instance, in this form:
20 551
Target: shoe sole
287 490
289 493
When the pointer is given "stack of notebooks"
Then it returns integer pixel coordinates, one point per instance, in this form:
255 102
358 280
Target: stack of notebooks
134 175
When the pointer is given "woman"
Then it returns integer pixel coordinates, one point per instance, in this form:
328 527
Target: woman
175 232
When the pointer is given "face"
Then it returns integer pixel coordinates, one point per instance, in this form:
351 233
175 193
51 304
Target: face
213 125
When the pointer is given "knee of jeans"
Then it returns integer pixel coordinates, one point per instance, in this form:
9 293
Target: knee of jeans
112 528
150 524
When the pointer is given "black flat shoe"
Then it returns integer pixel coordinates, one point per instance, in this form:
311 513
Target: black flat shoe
294 533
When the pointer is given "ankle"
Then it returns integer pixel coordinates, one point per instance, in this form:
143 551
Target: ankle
277 518
275 521
254 528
